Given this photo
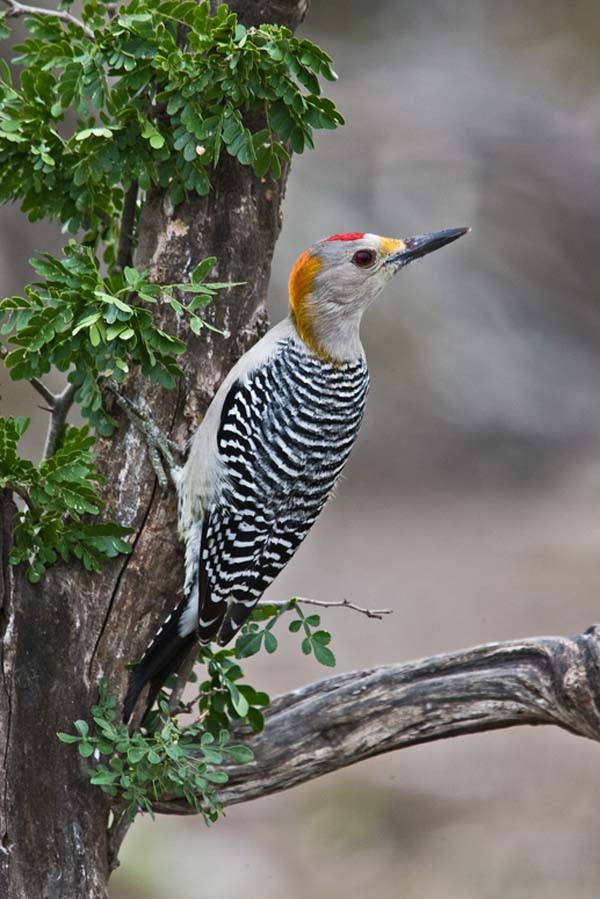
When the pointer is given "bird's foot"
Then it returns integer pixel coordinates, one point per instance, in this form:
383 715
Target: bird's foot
162 451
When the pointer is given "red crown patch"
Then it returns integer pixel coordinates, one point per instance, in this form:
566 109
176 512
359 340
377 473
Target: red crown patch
352 235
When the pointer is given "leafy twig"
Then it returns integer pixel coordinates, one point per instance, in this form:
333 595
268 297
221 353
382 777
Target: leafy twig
340 604
22 9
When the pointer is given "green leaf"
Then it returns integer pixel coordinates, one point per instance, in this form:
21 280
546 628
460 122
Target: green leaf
135 755
241 754
270 642
86 322
199 274
103 777
4 29
256 720
82 727
248 645
68 738
239 702
323 637
217 777
92 132
324 655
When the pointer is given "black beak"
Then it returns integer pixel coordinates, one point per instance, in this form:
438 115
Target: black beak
422 244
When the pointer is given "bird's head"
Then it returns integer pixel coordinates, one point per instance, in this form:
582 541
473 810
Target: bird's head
334 281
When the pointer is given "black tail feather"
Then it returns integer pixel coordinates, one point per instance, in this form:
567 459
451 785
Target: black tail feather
162 658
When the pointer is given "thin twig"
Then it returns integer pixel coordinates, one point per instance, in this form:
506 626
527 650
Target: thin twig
186 708
38 385
22 492
62 403
340 604
126 230
43 391
21 9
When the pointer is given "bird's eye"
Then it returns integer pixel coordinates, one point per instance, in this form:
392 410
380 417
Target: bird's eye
363 258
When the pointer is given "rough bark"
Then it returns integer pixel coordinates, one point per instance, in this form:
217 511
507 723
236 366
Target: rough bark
344 719
61 635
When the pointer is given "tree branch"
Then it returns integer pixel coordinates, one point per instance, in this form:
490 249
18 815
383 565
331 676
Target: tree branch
61 404
341 720
324 604
22 492
21 9
125 249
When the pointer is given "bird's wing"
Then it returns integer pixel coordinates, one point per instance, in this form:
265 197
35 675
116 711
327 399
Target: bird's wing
251 529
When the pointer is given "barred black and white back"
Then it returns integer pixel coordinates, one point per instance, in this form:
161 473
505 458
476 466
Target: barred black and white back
286 432
254 483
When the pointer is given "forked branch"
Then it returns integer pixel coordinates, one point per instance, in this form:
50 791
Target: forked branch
59 405
349 717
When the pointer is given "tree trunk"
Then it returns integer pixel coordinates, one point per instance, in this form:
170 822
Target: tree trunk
61 635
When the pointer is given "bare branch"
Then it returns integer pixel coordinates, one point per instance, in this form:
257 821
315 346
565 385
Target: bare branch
344 719
21 9
283 12
125 249
324 604
43 391
60 409
117 832
23 493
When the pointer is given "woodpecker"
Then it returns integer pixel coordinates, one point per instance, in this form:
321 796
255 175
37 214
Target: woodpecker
273 444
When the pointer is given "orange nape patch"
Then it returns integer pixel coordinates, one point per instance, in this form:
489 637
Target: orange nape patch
301 283
302 279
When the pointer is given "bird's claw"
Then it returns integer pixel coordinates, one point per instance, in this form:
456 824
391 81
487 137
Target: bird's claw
161 449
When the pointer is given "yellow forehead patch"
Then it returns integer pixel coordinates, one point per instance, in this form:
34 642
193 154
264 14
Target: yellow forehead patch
391 245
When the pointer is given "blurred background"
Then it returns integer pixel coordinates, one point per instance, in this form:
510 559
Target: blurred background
471 504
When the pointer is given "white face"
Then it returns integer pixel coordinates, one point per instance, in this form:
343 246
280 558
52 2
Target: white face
355 270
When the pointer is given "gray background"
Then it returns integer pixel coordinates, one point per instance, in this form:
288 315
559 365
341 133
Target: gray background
471 505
